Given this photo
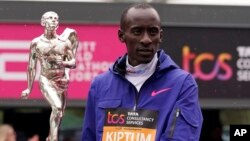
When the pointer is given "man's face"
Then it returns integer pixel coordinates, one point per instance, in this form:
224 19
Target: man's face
51 21
11 135
142 35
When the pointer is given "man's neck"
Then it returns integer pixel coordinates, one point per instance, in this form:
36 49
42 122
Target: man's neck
50 34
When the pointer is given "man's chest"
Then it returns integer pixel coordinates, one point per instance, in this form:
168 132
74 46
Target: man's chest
48 48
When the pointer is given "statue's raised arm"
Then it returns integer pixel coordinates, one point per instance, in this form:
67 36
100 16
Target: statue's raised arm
71 35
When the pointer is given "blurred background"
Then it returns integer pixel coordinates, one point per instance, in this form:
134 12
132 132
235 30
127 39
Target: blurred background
208 38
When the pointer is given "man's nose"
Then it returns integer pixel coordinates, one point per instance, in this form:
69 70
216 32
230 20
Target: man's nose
53 19
146 39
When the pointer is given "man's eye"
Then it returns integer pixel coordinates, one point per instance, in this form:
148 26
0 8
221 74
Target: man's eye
136 31
153 31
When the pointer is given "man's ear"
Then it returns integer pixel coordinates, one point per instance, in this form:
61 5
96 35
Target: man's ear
161 35
121 35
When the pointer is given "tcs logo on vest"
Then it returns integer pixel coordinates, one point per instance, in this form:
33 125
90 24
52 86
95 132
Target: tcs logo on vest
116 118
193 62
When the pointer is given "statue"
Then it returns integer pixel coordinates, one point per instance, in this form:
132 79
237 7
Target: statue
56 55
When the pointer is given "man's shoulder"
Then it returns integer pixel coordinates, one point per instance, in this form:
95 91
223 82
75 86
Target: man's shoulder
182 72
36 39
69 34
185 75
170 69
104 76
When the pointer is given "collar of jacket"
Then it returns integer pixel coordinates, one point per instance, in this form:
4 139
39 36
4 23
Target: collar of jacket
164 63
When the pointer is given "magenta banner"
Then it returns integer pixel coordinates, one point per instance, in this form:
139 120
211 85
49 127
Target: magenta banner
99 47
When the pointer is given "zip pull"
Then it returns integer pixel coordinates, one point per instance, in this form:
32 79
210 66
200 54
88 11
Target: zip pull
172 128
177 112
135 107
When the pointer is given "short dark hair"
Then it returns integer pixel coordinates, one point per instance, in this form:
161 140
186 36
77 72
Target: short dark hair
136 6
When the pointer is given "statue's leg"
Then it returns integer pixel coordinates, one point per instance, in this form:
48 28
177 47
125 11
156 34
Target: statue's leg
57 101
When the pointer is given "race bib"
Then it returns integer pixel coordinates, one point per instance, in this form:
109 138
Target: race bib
129 125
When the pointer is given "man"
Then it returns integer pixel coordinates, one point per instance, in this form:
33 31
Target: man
56 55
7 133
144 96
34 137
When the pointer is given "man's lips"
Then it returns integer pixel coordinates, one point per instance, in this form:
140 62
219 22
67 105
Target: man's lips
145 51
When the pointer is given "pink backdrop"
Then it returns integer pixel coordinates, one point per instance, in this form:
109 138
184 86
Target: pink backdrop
99 47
